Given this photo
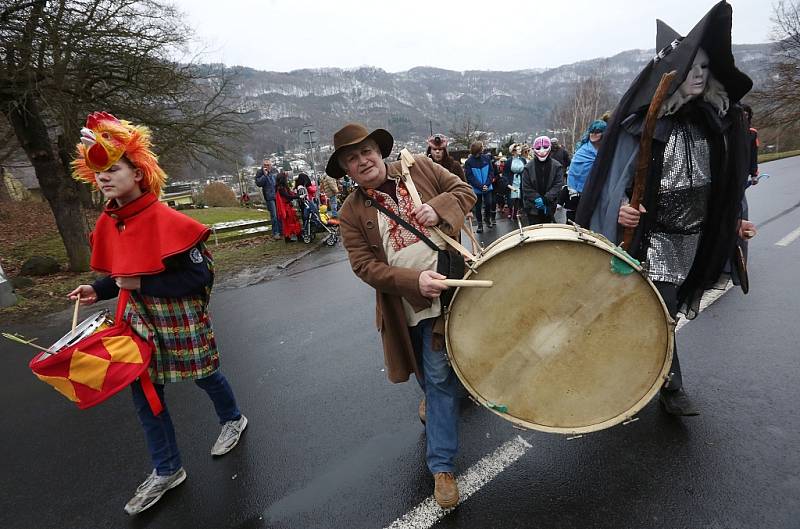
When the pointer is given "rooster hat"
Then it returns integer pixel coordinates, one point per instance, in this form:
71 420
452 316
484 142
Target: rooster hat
105 139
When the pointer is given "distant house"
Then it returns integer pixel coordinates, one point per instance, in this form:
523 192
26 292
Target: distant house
178 196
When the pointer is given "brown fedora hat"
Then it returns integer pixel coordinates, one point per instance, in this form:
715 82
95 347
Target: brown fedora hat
351 134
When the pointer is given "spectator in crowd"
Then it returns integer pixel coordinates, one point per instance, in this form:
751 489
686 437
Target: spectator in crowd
331 189
265 179
582 164
500 199
437 151
753 143
286 212
304 180
542 179
560 153
514 167
479 171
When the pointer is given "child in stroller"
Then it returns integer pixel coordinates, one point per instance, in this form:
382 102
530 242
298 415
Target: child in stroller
314 222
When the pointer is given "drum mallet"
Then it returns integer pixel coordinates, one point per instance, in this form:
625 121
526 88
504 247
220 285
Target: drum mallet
478 283
75 312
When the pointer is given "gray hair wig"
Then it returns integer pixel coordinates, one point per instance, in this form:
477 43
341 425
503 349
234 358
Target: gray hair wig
714 94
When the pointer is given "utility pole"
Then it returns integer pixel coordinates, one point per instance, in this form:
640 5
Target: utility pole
309 138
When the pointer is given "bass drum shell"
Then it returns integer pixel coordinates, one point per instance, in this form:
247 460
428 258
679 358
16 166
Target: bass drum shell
562 342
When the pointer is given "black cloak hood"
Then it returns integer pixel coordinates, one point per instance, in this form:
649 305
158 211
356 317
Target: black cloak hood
713 34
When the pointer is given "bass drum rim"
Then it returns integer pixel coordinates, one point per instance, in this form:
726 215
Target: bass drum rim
584 236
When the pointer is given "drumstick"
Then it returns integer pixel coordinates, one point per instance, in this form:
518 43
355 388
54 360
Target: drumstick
75 312
479 283
25 342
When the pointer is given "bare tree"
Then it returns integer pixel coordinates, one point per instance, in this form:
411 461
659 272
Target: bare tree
777 101
590 98
467 130
61 59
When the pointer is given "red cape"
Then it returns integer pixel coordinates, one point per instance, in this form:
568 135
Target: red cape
135 239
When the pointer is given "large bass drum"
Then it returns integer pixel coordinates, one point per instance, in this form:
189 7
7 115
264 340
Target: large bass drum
572 337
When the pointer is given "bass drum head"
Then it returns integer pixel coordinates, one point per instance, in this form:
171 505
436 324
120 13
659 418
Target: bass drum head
561 343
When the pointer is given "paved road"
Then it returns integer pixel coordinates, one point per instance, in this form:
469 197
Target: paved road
332 444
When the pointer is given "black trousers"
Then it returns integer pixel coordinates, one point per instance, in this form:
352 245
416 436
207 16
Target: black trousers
669 292
485 200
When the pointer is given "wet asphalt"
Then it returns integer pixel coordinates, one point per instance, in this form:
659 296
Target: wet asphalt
331 443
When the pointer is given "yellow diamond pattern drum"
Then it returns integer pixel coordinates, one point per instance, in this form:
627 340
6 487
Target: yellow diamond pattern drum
88 369
123 349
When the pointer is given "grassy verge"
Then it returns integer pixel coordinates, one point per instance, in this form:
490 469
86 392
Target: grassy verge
42 295
211 216
763 158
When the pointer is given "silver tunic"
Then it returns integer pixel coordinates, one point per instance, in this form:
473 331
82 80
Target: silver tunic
682 205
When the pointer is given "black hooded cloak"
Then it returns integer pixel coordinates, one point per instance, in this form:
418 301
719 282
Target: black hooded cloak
726 135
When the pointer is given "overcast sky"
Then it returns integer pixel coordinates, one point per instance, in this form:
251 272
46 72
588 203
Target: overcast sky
284 35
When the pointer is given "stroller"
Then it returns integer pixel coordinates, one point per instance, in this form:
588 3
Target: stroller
315 222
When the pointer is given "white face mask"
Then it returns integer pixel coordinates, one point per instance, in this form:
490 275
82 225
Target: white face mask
697 78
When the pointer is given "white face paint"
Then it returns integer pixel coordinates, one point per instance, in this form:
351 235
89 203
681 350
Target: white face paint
697 78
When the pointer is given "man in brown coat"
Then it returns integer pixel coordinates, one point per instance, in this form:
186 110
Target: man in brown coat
402 269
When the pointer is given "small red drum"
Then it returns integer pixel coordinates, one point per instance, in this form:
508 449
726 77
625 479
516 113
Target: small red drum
94 323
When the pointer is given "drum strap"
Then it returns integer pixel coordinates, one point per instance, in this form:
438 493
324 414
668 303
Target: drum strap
407 225
144 378
406 161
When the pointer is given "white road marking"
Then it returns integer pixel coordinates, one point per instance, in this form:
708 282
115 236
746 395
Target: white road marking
428 512
789 239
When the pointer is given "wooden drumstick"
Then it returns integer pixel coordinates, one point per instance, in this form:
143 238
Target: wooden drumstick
75 313
17 339
479 283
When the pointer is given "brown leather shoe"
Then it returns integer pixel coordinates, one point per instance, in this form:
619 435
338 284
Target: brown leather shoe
445 490
421 410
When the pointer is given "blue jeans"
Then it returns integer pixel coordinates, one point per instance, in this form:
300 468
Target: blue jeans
442 392
273 215
160 433
333 206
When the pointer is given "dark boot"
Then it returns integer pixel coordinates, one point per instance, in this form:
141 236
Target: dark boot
480 229
677 402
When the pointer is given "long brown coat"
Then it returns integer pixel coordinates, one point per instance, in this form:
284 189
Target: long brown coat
451 198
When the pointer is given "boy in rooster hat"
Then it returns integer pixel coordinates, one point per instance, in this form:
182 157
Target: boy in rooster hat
159 255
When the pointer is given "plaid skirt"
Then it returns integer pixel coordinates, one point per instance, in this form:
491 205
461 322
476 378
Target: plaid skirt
181 330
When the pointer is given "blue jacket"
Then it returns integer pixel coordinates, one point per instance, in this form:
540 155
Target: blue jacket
479 172
581 166
267 182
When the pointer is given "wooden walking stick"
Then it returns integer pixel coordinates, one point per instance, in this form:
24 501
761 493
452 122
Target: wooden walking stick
646 150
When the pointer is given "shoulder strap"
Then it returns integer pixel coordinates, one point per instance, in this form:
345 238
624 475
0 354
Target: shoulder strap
406 161
410 227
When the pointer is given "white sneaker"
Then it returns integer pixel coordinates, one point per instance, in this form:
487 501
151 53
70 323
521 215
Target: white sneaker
151 490
229 436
